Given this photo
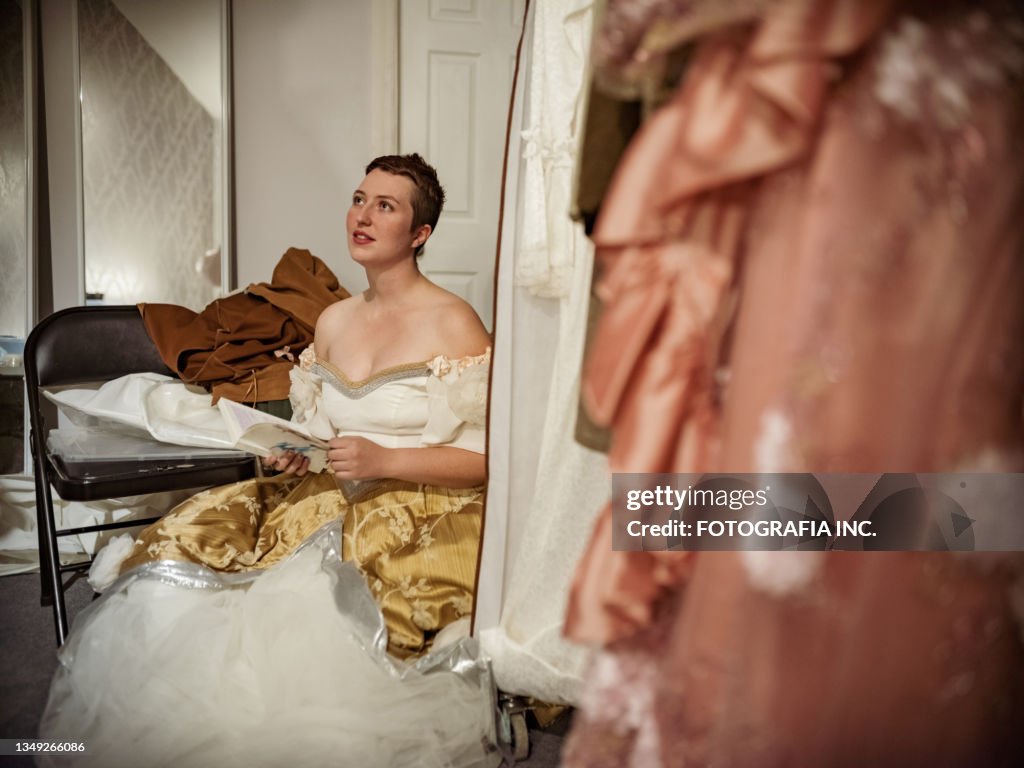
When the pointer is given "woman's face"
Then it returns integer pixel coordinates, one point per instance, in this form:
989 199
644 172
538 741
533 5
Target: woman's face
380 219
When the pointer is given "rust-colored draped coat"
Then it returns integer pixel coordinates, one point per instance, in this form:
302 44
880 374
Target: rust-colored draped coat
230 346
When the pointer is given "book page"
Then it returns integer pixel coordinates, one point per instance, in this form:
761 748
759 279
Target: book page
267 435
272 440
241 417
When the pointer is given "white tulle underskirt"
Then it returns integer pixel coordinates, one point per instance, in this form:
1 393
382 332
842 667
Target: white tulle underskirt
178 666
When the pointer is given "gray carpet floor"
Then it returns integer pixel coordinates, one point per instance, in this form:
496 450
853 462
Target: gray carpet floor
28 660
28 654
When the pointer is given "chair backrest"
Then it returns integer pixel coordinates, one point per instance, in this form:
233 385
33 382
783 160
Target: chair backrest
83 344
86 344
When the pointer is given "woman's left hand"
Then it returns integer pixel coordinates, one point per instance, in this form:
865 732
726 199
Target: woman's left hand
356 458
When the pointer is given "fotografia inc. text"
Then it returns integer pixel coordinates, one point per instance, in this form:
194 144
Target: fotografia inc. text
800 529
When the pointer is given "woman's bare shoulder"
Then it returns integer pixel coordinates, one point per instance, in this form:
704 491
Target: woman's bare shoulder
332 321
460 330
340 311
340 308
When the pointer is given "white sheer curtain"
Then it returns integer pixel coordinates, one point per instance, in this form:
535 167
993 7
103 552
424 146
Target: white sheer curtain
545 489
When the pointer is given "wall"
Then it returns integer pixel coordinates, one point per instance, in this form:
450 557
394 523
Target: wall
303 100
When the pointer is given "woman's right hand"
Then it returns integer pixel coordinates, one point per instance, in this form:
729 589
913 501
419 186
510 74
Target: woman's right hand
289 462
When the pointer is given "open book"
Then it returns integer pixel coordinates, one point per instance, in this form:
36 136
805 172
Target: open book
265 435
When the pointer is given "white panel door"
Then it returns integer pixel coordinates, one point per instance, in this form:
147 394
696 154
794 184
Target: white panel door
456 61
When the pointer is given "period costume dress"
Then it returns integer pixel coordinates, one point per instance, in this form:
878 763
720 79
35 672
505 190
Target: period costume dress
812 262
235 633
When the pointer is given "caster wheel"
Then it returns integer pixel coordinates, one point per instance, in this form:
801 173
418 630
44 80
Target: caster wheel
520 736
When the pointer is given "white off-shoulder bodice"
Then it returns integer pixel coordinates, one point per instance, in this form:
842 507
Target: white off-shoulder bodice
430 403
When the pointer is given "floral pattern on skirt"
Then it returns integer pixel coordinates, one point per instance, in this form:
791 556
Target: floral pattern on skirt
415 544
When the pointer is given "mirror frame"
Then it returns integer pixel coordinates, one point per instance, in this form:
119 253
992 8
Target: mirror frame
29 34
29 13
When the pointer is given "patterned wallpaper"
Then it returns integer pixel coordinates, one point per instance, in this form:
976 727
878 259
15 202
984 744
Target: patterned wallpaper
12 172
148 168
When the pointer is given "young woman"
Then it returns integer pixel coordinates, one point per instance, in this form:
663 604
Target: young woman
269 663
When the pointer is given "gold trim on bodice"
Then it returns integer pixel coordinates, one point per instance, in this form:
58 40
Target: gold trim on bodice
358 389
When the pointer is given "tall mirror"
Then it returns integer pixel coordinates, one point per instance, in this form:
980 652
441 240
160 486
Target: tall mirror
13 166
156 202
15 236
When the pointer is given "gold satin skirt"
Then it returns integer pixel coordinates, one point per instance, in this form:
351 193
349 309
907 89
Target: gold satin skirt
416 545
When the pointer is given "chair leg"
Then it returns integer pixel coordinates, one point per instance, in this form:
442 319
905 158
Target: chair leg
60 613
52 557
46 587
45 581
49 553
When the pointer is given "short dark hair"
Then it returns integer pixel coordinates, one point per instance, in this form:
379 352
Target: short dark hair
427 199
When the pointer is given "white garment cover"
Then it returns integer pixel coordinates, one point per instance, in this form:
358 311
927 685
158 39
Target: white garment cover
167 409
544 489
553 507
179 666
